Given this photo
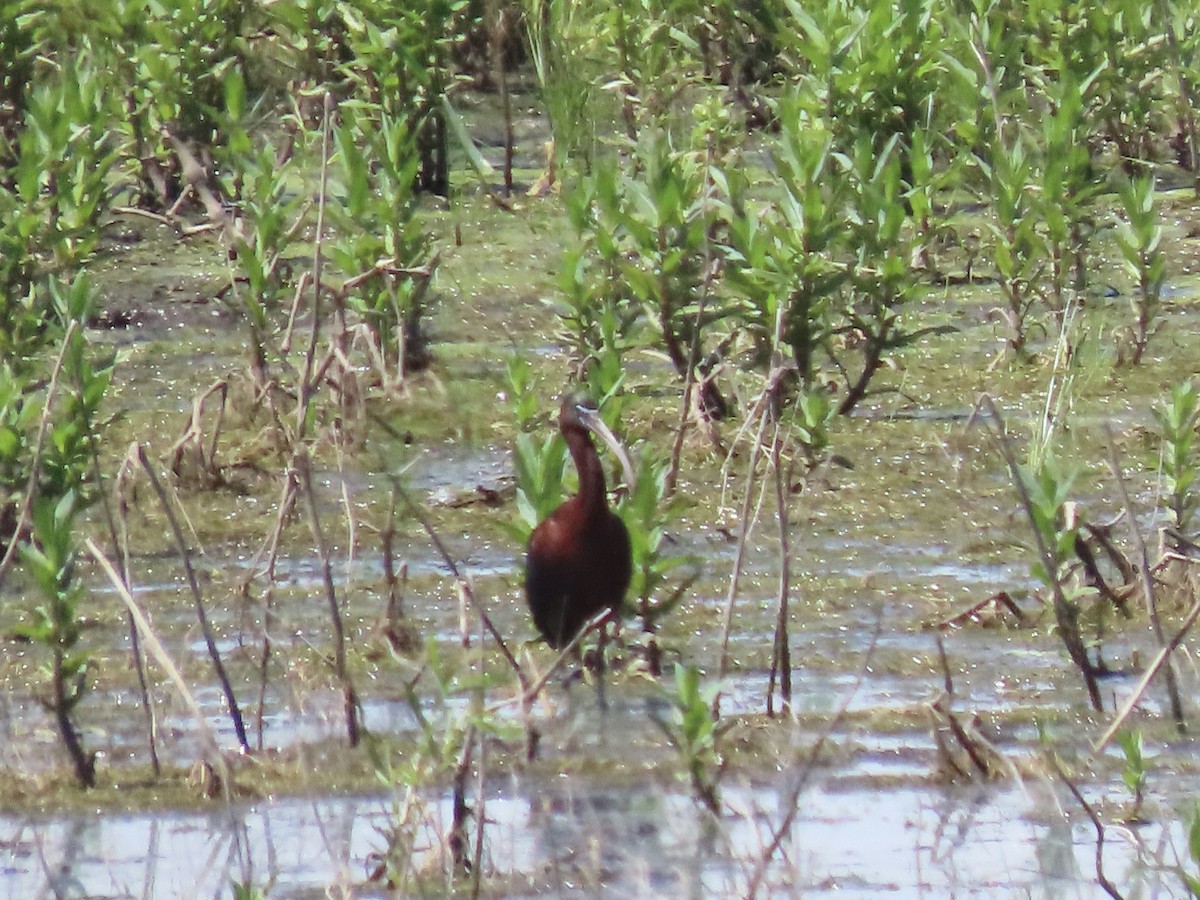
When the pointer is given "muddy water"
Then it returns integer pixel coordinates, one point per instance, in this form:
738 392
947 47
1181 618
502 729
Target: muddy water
562 838
873 820
876 819
924 525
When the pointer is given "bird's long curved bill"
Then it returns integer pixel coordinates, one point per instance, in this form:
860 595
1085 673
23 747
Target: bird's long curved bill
591 418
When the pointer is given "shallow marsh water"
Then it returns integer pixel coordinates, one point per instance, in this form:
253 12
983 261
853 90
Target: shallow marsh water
922 526
571 840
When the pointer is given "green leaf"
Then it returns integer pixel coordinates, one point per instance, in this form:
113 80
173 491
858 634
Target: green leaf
1194 834
235 94
459 129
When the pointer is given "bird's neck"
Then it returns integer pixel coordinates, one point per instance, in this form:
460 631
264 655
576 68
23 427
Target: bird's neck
593 493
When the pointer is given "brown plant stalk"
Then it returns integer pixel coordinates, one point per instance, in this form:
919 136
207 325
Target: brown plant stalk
212 751
1149 596
138 453
1066 613
802 771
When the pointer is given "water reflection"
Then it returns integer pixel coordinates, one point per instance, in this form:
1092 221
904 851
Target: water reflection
558 838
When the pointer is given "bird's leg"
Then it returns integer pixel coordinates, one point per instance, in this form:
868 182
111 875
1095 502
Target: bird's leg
601 646
595 660
571 677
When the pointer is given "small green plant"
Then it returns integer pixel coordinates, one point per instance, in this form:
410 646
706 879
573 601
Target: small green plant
643 268
539 466
52 197
1139 237
446 698
881 282
63 462
399 61
652 234
245 890
1068 183
315 32
1178 419
783 261
1048 488
167 63
651 597
67 465
1123 45
1018 250
815 413
523 400
61 483
24 36
695 734
921 195
18 417
1134 773
193 44
1044 487
872 71
49 558
644 516
381 247
1191 880
271 215
62 489
540 463
67 139
566 41
596 318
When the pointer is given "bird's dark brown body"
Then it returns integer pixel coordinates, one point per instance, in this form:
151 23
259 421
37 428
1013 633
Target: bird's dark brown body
578 561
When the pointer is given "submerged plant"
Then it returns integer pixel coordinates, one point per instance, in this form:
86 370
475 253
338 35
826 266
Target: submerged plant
695 734
453 730
1044 487
1134 773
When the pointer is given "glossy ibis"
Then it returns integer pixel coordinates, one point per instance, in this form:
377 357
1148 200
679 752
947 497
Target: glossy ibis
578 561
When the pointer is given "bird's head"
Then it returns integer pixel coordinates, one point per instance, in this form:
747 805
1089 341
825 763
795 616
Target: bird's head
579 410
